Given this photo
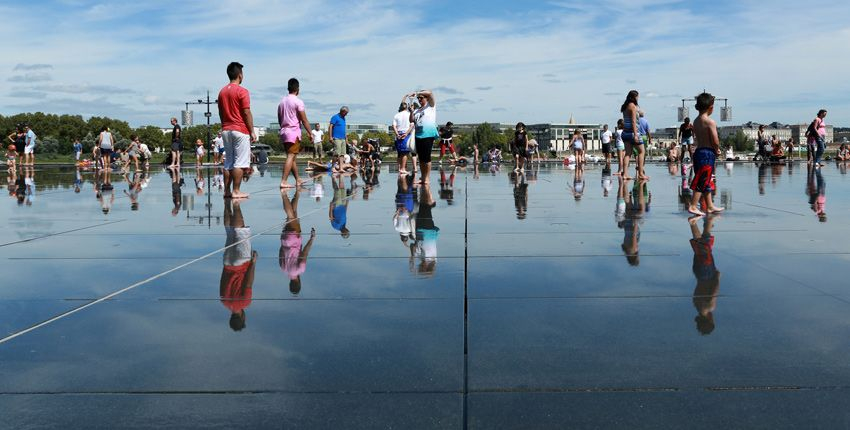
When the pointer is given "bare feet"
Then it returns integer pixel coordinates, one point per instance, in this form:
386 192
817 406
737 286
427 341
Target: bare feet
696 211
716 210
286 185
240 195
644 178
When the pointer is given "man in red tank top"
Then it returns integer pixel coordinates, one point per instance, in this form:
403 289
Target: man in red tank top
237 125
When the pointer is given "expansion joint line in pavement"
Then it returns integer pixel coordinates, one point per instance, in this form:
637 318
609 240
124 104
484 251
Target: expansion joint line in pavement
137 284
465 298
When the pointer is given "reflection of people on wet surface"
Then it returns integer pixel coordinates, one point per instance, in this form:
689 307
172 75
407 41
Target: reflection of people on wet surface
134 187
370 180
520 195
578 182
105 192
78 180
293 259
607 182
239 262
29 182
176 190
637 204
404 208
21 187
338 210
200 182
708 278
447 190
426 234
318 190
816 190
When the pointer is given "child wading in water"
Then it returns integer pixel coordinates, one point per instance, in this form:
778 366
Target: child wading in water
708 147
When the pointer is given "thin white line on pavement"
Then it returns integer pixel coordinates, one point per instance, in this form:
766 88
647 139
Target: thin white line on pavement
137 284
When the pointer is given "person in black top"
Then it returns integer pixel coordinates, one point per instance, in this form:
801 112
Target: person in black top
176 144
686 138
446 141
262 156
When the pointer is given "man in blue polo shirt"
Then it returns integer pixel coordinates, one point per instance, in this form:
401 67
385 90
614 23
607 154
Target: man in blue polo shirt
336 131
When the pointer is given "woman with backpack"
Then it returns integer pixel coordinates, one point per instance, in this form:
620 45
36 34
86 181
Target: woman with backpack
816 138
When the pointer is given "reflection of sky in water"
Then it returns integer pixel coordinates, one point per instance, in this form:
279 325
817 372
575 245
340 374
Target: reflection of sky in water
563 292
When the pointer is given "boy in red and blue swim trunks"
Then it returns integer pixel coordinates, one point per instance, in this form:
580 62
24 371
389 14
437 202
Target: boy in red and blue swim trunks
708 147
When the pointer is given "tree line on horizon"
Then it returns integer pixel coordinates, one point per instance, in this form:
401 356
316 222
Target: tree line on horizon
55 134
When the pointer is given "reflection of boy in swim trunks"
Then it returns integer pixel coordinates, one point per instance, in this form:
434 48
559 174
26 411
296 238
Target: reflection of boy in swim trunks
239 261
708 278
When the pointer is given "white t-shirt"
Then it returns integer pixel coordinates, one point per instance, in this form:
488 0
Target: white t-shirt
401 121
606 136
219 143
317 135
619 136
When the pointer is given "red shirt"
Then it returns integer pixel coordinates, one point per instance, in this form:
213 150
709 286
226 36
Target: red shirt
234 295
233 99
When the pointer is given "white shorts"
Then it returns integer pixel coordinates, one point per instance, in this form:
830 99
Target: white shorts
237 150
239 254
29 149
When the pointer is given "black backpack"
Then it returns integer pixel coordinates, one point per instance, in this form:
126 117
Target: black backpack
811 131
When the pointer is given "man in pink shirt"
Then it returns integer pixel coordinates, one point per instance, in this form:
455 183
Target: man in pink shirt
237 125
290 116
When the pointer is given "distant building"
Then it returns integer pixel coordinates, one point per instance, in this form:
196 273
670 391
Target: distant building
470 127
361 129
783 132
557 137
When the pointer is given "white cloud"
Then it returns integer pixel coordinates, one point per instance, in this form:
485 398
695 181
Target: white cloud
369 53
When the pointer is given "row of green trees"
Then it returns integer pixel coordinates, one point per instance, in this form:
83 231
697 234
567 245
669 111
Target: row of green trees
56 134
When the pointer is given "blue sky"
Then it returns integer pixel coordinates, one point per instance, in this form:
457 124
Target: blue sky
494 61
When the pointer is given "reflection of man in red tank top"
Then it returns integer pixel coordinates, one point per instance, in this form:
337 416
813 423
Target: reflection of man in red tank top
237 273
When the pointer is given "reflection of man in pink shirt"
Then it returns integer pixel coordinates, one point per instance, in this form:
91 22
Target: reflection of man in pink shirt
290 115
293 259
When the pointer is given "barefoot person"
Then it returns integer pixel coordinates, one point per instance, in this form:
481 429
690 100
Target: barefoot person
621 147
816 134
425 118
606 144
403 128
29 146
237 125
176 143
631 135
708 147
686 139
291 115
336 131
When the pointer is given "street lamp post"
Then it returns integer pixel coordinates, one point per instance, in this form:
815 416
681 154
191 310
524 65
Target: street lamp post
725 111
207 114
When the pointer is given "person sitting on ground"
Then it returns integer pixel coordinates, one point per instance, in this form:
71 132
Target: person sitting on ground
777 154
673 153
842 153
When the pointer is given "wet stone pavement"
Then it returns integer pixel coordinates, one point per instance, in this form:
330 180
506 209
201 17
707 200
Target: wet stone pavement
559 299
